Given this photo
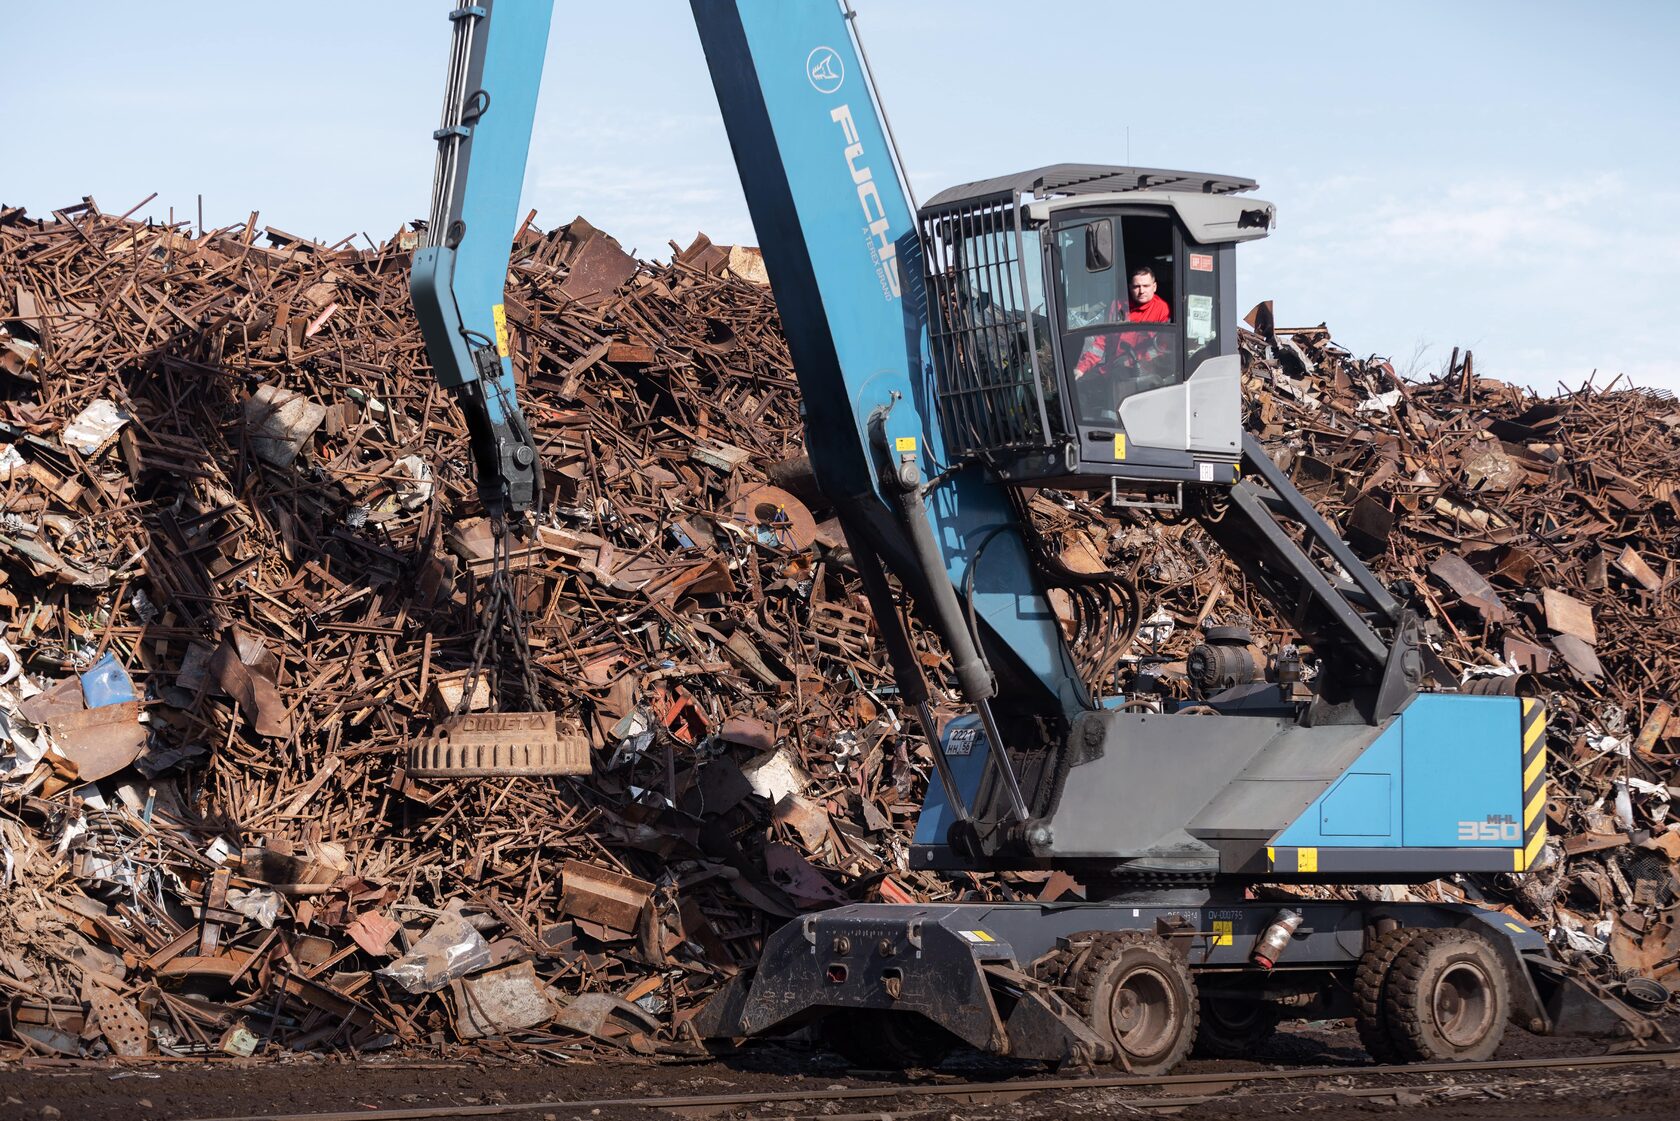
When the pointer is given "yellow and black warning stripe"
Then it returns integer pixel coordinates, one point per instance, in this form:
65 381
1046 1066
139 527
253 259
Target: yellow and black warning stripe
1534 783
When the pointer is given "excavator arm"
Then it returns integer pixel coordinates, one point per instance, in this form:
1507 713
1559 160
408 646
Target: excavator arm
838 230
490 100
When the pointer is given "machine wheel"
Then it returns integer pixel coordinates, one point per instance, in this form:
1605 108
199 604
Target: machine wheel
1370 982
1232 1027
1130 987
871 1040
1447 998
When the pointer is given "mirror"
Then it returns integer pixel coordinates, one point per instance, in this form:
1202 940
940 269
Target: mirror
1099 246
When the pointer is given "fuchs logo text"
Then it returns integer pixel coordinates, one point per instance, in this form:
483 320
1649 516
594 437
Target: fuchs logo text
881 248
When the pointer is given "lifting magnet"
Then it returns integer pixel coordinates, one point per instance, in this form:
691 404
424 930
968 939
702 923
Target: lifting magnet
499 744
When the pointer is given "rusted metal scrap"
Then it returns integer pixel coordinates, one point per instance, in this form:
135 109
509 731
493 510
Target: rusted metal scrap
226 472
242 568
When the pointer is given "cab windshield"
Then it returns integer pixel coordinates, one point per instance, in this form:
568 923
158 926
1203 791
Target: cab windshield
1122 322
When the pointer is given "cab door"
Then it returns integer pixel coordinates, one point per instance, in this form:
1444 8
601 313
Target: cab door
1139 329
1201 411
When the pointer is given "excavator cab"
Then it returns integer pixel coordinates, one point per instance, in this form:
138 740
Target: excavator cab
1083 325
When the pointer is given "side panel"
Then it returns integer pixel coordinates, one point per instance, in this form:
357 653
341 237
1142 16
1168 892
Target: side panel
1157 774
845 263
1462 772
1204 414
1445 775
1215 401
1361 804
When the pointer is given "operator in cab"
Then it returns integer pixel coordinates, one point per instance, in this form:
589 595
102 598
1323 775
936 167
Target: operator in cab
1145 306
1128 350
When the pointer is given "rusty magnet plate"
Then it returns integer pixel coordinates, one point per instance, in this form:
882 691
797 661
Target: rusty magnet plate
497 744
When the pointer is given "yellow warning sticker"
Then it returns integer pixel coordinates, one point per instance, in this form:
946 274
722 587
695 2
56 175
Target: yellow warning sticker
1517 928
976 936
1306 860
1223 931
1120 446
500 314
905 443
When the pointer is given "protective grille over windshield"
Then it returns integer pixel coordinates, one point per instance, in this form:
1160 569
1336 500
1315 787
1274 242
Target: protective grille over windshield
994 383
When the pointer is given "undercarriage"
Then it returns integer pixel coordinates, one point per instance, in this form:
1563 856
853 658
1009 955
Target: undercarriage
1137 983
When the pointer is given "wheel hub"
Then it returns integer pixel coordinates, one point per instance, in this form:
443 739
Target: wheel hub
1143 1012
1462 1004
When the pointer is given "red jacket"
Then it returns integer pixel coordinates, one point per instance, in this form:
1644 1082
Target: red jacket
1156 310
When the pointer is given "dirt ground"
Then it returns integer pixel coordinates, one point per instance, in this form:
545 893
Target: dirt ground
309 1084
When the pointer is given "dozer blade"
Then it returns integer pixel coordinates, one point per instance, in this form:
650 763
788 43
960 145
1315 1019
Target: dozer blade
499 745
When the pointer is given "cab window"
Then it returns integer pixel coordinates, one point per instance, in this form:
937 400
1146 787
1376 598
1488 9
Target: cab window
1001 312
1201 305
1135 285
1092 285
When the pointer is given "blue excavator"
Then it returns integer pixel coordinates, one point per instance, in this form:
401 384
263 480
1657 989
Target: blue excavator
1068 328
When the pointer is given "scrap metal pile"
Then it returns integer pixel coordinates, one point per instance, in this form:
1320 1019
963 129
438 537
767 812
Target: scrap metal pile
242 569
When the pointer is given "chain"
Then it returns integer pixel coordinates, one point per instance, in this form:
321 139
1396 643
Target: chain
501 627
515 618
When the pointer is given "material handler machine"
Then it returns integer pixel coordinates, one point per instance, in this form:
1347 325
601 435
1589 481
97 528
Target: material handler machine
950 358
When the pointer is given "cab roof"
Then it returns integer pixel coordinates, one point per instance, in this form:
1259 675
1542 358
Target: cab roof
1064 180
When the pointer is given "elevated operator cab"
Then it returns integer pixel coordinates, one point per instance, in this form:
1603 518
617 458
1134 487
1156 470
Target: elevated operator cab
1047 370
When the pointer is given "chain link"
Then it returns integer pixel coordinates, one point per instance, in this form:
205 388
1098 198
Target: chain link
501 630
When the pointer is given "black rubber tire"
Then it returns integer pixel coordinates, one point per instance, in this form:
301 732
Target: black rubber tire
1448 998
1370 982
871 1040
1139 971
1232 1027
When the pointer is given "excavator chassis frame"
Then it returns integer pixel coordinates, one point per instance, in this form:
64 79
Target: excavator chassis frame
978 970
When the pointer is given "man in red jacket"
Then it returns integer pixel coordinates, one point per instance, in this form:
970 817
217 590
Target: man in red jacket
1143 306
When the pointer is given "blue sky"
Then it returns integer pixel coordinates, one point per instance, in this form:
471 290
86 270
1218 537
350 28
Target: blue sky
1500 175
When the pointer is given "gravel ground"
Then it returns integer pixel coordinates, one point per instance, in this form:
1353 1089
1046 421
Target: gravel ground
304 1084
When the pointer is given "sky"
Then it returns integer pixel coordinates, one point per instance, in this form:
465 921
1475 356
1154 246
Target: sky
1500 176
